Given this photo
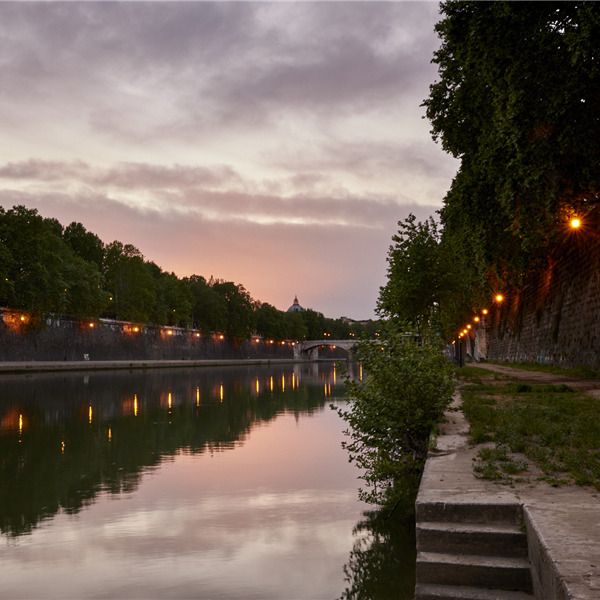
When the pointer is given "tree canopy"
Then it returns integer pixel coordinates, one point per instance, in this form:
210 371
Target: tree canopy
518 101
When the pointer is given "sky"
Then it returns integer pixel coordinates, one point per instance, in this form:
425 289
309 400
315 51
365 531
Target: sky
271 144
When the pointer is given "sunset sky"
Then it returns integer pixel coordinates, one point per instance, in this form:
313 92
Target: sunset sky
275 145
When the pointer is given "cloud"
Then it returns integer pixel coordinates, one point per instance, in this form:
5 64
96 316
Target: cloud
200 65
273 144
215 193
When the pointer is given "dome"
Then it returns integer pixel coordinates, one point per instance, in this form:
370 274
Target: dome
295 307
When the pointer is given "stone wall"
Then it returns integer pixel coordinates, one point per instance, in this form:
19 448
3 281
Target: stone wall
70 339
555 317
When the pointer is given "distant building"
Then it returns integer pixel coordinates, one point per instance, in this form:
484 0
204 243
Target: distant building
296 306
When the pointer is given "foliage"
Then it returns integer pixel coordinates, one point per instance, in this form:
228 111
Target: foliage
393 412
239 309
208 310
40 272
130 282
517 101
416 272
172 304
294 326
429 283
270 322
85 244
554 428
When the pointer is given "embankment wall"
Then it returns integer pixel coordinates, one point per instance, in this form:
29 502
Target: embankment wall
555 317
64 339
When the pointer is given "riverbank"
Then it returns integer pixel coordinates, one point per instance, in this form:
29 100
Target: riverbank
561 523
107 365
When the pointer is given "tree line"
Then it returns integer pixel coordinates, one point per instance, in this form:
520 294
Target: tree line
46 268
517 101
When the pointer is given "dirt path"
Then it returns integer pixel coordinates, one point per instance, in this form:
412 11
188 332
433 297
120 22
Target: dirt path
586 386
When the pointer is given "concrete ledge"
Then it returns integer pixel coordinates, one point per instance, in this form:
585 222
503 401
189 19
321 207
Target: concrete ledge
444 592
562 524
94 365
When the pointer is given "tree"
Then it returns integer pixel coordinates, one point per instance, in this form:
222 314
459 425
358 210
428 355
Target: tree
85 244
130 283
36 256
315 324
518 101
419 273
393 411
270 322
209 312
85 294
294 326
172 301
239 306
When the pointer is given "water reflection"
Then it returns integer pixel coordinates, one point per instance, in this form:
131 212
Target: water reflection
64 439
382 561
208 483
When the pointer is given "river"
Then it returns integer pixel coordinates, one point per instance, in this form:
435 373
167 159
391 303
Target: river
212 483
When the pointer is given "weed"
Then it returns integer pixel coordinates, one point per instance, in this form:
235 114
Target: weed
554 427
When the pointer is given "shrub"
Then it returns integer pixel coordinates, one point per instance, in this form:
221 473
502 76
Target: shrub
393 411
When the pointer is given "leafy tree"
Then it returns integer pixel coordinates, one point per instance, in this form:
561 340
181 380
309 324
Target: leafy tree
34 273
239 306
315 324
172 303
517 101
393 411
209 312
85 293
339 328
130 282
6 264
85 244
270 322
419 273
294 326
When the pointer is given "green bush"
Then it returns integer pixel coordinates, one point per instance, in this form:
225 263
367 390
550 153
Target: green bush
393 411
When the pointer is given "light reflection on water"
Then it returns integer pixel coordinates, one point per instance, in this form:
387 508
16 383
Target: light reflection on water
199 483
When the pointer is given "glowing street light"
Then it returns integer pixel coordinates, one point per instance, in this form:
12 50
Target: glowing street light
499 297
476 319
575 223
484 311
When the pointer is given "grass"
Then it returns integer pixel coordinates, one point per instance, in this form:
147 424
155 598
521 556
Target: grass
531 430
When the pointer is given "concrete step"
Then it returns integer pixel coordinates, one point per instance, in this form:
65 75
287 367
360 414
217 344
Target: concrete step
487 513
450 592
472 538
504 573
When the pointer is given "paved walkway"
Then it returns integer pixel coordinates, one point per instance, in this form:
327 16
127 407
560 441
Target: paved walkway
566 520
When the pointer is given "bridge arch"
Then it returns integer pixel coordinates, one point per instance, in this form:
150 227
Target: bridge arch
310 349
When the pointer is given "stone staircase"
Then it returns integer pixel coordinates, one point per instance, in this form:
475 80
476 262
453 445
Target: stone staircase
471 551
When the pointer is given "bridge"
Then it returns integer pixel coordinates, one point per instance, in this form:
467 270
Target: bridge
310 349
